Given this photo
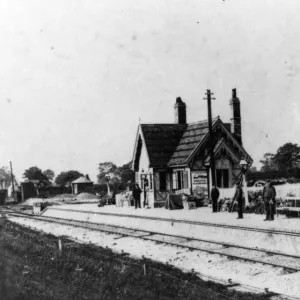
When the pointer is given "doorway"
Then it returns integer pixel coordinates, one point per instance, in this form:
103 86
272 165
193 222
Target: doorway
223 178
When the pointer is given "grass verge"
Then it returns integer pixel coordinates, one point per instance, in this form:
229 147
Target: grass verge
32 267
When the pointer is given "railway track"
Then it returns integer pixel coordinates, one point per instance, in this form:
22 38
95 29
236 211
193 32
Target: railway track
246 228
290 263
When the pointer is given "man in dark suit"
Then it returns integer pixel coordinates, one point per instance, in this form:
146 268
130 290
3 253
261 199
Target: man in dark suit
214 197
269 194
136 193
238 196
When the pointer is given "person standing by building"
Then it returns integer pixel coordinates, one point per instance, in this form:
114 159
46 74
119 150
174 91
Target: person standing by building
269 194
146 189
238 197
214 197
136 193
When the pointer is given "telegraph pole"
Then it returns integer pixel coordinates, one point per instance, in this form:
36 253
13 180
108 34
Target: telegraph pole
211 142
12 180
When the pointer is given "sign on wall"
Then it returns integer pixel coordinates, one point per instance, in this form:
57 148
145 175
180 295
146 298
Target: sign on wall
199 181
199 178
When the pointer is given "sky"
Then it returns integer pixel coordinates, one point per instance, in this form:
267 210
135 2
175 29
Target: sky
76 76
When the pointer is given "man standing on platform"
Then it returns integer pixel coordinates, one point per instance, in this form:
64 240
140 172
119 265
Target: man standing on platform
214 197
269 194
136 193
238 197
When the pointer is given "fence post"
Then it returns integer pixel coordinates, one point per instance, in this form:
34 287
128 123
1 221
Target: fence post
144 266
59 245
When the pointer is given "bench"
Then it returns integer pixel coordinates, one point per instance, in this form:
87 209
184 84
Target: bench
293 201
297 209
283 209
287 210
294 206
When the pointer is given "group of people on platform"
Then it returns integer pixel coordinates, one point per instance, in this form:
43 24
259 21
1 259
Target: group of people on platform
269 194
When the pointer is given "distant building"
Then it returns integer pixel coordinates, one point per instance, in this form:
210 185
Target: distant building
176 156
80 184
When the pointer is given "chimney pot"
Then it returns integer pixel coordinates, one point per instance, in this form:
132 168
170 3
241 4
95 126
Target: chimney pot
233 93
236 122
180 111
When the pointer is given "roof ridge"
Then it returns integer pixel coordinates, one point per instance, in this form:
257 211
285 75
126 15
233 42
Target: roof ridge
162 124
193 123
203 121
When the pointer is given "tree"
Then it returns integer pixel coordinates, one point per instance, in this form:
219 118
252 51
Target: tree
34 173
122 174
5 176
65 178
287 156
268 163
105 169
125 173
49 174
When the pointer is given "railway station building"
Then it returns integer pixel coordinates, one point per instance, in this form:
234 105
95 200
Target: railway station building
176 157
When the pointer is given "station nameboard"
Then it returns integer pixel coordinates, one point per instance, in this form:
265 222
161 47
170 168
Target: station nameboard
199 181
199 178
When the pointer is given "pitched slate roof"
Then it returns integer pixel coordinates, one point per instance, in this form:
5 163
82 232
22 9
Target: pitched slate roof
191 137
170 145
161 141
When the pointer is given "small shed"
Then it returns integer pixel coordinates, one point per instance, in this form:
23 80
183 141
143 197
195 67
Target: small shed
80 184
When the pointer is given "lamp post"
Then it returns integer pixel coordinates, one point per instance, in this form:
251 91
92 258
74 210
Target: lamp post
143 186
150 180
244 166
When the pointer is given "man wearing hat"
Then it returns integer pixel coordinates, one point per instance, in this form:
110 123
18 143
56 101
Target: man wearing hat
269 194
238 197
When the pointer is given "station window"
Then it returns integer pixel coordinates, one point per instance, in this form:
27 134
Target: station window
180 180
223 178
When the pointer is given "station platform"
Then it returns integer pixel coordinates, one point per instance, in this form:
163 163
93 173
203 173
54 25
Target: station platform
203 214
281 235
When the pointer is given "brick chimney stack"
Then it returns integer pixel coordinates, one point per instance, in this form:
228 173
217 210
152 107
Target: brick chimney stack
236 121
180 111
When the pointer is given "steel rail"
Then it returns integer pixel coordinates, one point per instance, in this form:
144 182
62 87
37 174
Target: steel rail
81 224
